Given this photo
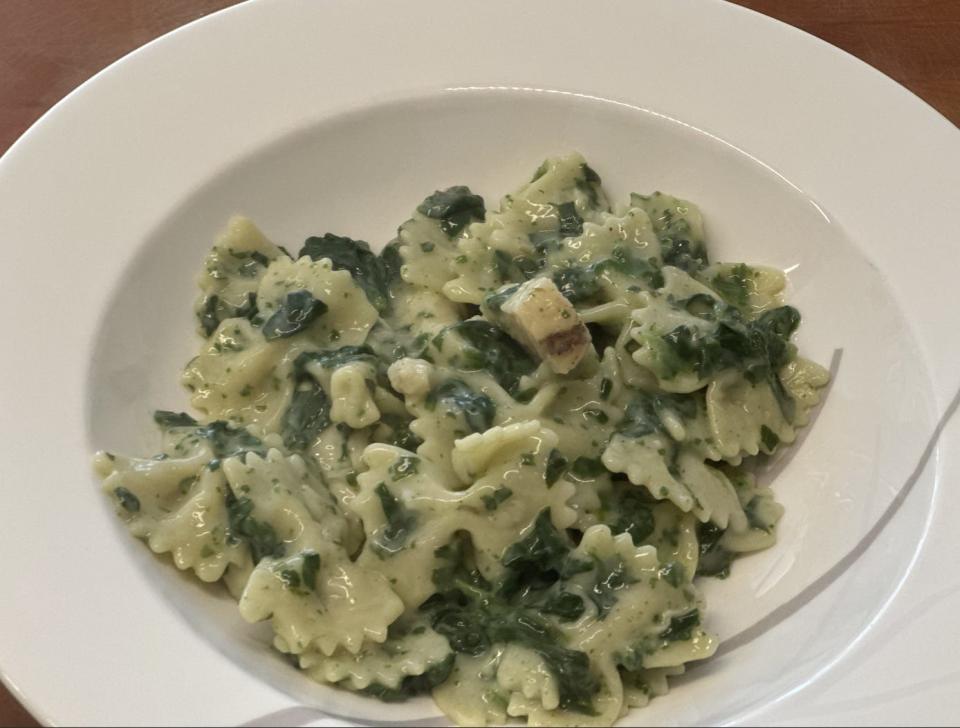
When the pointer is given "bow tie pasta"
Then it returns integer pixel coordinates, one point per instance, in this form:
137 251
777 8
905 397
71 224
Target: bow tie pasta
490 463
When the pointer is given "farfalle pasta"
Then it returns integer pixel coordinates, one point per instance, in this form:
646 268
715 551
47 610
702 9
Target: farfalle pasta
490 462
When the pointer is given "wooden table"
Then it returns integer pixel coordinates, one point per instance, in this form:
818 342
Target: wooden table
48 47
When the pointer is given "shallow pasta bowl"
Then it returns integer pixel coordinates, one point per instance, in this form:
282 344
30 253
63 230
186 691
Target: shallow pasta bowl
326 116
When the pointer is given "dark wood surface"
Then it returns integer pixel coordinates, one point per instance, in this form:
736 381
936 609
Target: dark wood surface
48 47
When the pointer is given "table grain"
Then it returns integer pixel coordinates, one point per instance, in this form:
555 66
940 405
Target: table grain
49 47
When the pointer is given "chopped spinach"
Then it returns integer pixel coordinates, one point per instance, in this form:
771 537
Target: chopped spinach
169 420
584 468
609 580
478 409
714 559
490 348
734 285
401 522
290 578
512 268
754 518
571 224
390 263
578 283
556 466
769 438
606 387
492 502
404 467
128 500
401 436
229 441
644 414
758 348
335 358
307 415
296 312
473 617
630 511
368 271
215 310
673 573
588 182
454 208
565 605
259 536
681 627
538 559
679 246
495 301
310 569
645 269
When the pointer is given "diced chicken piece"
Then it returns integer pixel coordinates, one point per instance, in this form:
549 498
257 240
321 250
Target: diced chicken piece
545 323
351 398
410 376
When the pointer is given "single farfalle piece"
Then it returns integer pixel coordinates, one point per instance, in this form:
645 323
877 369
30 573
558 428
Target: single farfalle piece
304 580
538 316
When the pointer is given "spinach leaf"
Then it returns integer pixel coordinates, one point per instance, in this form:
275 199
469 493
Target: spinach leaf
473 618
556 466
588 182
681 627
401 522
214 311
295 313
310 569
259 536
455 208
512 268
545 241
769 438
610 579
229 441
169 420
625 263
391 262
679 247
734 285
578 283
490 348
758 348
404 467
714 559
606 387
673 573
538 559
571 224
477 408
495 301
413 685
644 414
585 468
401 436
306 417
355 256
565 605
335 358
630 511
128 500
492 502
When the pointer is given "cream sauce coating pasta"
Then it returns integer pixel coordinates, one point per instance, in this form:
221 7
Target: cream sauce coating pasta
490 463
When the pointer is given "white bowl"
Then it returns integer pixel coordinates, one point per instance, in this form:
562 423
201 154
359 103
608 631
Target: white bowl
341 116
